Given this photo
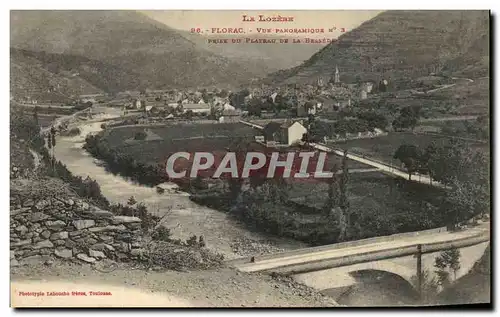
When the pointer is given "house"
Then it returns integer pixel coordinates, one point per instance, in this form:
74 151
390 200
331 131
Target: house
285 133
231 115
196 107
227 106
363 95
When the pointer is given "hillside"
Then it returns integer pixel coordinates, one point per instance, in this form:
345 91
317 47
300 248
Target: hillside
34 74
130 42
271 57
398 45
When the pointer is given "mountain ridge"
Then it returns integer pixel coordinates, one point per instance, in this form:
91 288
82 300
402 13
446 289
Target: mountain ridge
398 45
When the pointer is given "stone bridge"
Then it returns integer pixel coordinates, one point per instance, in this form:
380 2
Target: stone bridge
402 255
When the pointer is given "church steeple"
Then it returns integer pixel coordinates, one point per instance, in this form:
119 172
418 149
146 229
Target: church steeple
337 75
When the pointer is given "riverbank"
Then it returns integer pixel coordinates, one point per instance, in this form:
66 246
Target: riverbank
222 232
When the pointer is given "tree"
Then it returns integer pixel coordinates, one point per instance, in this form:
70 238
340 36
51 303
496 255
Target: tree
141 135
255 107
408 118
131 201
448 261
35 115
410 156
344 217
189 114
53 140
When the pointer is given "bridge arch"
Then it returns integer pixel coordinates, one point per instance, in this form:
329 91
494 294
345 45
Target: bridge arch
404 272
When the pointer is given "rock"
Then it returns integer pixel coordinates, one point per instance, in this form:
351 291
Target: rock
38 216
82 224
84 206
43 244
46 251
45 234
136 252
123 246
64 253
12 254
20 243
99 213
21 229
70 202
96 254
116 220
55 225
89 241
14 262
108 228
105 238
59 235
28 203
41 205
60 243
84 257
102 247
73 234
197 257
126 237
70 243
134 226
32 260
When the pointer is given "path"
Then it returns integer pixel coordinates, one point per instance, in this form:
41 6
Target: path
223 287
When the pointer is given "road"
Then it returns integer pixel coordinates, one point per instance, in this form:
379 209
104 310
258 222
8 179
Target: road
282 260
440 88
455 118
424 179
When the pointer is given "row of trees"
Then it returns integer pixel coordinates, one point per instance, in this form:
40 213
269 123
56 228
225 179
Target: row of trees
364 121
458 166
124 164
408 118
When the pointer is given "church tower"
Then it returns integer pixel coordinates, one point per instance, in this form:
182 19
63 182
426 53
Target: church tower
337 75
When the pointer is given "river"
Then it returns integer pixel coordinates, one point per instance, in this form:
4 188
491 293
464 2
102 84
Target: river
222 233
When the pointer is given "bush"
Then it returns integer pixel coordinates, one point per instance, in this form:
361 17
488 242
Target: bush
140 136
161 234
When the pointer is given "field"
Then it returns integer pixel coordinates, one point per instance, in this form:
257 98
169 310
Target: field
173 132
165 140
383 147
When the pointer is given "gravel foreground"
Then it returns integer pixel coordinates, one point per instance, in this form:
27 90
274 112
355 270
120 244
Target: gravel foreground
129 287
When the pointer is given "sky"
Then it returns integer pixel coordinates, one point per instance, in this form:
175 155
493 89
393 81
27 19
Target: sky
206 20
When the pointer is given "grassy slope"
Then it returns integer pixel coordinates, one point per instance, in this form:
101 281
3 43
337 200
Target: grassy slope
156 54
399 45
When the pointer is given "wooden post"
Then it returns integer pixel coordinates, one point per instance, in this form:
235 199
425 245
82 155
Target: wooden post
419 270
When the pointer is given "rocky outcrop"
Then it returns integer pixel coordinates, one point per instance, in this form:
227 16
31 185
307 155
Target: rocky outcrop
70 229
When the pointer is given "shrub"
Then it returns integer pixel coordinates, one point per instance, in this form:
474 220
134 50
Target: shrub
140 136
161 234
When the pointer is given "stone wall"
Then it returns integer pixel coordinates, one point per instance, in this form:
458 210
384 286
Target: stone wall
70 229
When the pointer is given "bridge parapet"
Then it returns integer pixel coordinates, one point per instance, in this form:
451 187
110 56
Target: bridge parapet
341 245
